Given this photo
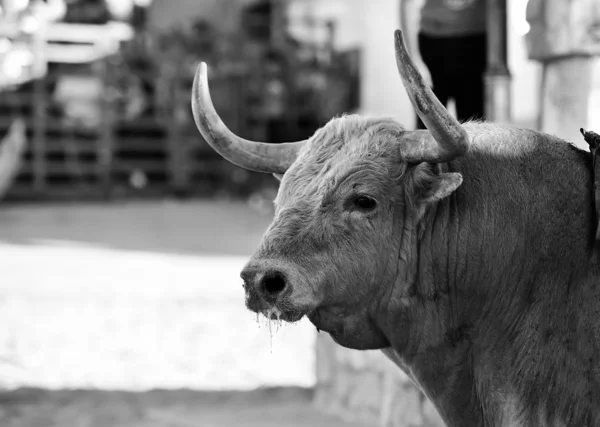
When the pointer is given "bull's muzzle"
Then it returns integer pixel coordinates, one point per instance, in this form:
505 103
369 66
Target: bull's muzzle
280 288
265 283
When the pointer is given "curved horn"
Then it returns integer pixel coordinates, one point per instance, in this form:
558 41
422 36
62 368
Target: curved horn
445 139
256 156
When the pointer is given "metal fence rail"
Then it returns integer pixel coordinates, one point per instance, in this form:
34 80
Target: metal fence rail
112 119
103 153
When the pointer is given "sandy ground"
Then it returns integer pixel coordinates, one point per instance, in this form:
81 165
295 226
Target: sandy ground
142 296
285 407
137 296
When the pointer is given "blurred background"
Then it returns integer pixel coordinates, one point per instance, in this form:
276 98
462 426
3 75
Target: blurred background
122 233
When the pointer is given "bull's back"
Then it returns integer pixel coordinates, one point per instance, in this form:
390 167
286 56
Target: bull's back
532 195
535 183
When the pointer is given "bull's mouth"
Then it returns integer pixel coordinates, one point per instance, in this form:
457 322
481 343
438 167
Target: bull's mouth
290 316
280 309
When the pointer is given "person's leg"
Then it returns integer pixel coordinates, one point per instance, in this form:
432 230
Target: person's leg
470 86
432 52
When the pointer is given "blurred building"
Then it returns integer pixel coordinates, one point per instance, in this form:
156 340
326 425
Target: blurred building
279 69
108 111
167 14
369 26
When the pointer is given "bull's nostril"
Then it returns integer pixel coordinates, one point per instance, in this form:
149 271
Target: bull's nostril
273 283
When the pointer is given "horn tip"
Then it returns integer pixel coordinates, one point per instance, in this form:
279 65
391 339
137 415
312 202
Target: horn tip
399 42
202 71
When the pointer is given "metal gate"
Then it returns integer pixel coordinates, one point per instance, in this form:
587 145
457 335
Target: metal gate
87 138
119 124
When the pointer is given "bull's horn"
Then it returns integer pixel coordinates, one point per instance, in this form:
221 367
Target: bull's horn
445 139
256 156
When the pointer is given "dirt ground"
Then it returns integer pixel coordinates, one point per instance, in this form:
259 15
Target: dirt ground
138 295
192 228
278 407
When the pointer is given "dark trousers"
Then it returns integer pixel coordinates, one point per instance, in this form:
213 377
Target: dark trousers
457 66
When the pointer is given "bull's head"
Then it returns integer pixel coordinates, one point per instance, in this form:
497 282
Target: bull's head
348 209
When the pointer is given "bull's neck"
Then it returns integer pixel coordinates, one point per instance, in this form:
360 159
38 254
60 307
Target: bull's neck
477 263
432 284
431 329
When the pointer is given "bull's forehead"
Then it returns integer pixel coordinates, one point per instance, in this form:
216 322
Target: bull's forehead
343 146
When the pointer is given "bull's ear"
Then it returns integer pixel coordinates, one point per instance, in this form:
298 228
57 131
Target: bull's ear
433 187
278 176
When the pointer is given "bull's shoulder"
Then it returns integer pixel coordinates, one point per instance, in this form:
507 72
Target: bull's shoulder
512 141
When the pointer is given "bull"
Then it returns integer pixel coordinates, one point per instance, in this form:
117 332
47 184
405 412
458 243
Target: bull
12 149
465 252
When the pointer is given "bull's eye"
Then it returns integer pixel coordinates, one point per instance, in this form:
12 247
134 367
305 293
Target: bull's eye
365 203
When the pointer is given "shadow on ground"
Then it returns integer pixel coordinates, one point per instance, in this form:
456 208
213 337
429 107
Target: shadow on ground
275 407
195 227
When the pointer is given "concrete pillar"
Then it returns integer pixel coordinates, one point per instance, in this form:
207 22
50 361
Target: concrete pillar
497 76
382 92
564 38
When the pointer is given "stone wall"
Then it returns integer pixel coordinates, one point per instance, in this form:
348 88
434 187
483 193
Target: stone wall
366 386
